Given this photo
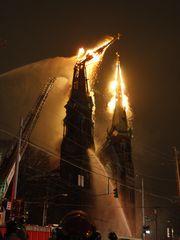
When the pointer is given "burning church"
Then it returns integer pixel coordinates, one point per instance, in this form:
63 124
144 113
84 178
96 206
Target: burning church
84 180
79 163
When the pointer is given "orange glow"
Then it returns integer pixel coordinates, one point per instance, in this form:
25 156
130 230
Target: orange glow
111 105
125 102
80 53
94 55
92 58
118 90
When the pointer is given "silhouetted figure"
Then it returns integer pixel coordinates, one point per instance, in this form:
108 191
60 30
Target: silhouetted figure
1 237
15 230
112 236
95 234
57 234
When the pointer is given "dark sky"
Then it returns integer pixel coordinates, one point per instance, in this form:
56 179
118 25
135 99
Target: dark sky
149 48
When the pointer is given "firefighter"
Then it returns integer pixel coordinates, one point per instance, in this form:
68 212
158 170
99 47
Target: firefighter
15 230
112 236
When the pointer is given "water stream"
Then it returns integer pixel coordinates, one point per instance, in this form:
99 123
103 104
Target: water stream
108 211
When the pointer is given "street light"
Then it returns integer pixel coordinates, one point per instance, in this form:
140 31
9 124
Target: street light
146 229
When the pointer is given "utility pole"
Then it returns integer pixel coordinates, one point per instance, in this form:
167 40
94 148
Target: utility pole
46 205
143 217
176 154
156 226
45 209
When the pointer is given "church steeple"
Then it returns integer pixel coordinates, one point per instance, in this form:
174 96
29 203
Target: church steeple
119 120
79 84
78 123
116 152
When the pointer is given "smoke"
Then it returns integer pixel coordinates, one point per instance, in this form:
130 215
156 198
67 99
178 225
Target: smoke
108 210
19 91
21 87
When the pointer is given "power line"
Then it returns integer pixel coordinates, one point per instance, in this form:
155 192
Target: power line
89 171
115 163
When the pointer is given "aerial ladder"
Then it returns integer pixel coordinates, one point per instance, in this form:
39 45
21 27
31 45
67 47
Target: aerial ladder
7 168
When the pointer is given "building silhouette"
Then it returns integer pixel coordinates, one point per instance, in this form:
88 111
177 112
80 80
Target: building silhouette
116 154
77 139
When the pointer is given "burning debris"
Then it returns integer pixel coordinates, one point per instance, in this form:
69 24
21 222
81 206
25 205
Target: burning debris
94 55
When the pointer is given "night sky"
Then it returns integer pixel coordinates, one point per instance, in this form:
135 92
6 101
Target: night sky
36 30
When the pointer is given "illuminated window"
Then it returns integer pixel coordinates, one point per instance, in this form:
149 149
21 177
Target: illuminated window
170 232
80 180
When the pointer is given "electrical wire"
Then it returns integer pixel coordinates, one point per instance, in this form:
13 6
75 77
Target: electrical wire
72 164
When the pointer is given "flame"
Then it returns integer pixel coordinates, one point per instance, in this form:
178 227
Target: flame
92 58
80 53
125 100
111 105
118 95
95 54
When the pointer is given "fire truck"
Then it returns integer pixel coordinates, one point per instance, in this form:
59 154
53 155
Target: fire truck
12 212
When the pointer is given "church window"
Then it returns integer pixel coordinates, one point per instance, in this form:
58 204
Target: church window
80 180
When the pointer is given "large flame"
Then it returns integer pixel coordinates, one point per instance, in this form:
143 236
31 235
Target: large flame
116 95
95 54
92 58
81 53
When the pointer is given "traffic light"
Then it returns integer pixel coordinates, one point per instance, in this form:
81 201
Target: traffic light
115 192
146 229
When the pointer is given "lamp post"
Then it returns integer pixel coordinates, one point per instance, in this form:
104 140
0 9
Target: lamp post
142 217
145 227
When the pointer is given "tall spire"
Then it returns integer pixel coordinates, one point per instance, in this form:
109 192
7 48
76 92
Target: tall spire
116 154
79 84
119 120
78 123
